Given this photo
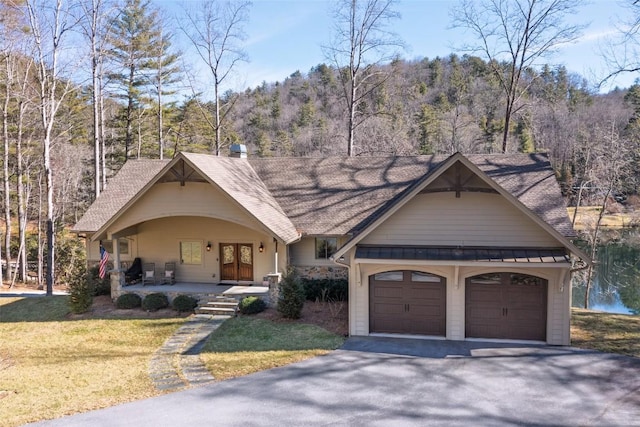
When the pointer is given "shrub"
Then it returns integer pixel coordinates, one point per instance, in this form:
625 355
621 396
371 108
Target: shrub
291 299
184 303
128 301
155 301
80 293
326 289
100 286
252 305
70 258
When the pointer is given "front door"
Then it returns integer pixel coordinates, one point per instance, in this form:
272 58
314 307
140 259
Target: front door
236 261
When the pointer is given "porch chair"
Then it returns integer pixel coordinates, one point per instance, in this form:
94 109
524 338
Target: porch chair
169 276
149 273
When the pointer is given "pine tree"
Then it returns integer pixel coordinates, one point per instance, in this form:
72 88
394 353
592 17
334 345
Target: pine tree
136 38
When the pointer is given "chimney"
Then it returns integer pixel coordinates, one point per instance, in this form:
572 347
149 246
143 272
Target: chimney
238 150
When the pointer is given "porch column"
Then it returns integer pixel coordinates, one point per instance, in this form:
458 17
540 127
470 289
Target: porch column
275 263
274 291
116 275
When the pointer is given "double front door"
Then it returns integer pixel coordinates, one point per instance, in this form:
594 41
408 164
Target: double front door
236 261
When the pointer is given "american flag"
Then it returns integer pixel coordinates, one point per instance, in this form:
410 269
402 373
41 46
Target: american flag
104 258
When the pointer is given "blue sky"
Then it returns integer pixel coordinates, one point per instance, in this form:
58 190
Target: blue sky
286 35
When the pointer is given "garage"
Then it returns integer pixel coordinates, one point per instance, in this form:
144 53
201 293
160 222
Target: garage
506 306
407 302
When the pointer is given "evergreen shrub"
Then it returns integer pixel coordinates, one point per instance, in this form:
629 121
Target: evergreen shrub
155 302
128 301
184 303
291 298
326 289
80 293
252 305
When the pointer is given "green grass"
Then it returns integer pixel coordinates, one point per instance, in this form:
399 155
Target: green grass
611 333
244 345
51 365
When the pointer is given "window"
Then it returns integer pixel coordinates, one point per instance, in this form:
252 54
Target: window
417 276
122 244
191 252
390 276
325 247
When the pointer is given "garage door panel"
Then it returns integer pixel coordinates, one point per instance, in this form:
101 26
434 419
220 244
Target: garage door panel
425 292
388 291
408 306
384 309
389 325
514 309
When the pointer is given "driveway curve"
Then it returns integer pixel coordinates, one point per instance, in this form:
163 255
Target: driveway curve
399 382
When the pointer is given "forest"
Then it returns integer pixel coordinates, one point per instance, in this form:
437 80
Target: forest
86 85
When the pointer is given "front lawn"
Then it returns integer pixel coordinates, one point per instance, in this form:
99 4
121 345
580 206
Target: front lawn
244 345
51 365
611 333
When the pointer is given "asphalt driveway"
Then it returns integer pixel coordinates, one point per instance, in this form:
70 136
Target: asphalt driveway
395 382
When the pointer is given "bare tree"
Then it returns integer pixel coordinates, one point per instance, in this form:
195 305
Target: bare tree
622 53
514 35
612 160
96 21
215 30
362 41
50 24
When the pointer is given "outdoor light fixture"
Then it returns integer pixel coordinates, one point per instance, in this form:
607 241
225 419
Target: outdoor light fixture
261 247
208 246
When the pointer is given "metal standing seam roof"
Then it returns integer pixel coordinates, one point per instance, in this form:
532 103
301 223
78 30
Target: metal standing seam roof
475 254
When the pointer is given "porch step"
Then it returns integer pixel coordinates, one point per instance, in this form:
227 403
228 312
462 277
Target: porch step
217 305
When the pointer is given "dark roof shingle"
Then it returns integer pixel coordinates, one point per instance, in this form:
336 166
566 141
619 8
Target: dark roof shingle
334 196
341 195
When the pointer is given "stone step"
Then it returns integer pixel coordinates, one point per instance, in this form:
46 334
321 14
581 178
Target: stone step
217 305
221 303
217 298
216 310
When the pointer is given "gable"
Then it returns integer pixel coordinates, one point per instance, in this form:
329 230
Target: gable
172 199
458 178
234 178
472 219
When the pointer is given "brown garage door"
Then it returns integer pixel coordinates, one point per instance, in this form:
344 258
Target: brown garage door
407 302
506 305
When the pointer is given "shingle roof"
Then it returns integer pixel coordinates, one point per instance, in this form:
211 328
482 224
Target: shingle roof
236 178
334 196
131 178
341 195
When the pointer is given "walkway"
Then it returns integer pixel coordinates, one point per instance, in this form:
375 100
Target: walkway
177 365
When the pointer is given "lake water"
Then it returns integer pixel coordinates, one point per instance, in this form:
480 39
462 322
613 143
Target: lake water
616 283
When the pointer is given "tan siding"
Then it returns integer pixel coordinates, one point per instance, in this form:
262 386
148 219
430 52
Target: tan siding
157 245
303 253
194 199
559 309
474 219
455 308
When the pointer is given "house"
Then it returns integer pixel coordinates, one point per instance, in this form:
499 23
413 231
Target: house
458 247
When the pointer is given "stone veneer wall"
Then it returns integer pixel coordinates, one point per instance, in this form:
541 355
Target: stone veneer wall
322 272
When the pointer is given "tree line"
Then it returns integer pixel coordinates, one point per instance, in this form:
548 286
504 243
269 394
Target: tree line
86 85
